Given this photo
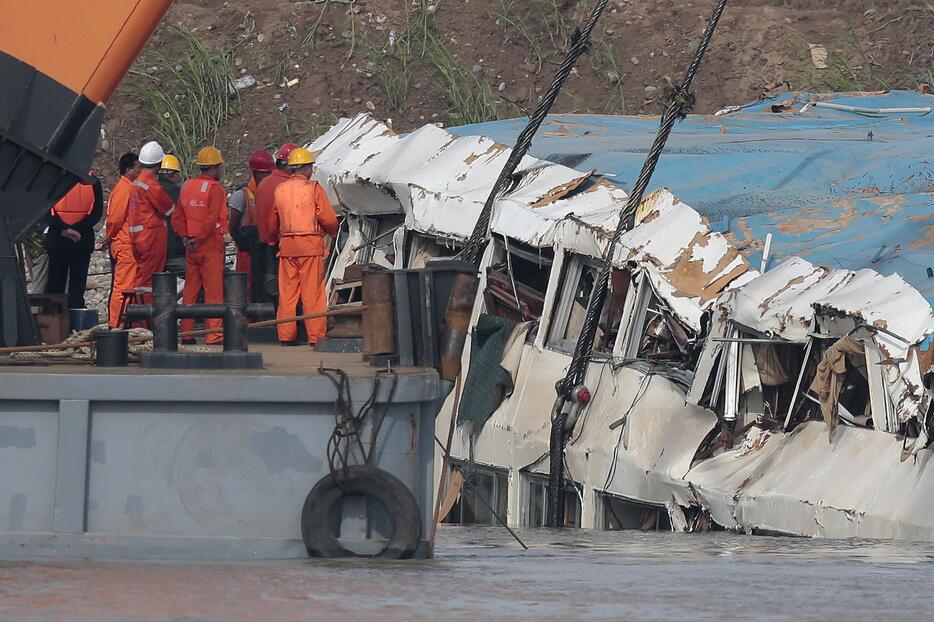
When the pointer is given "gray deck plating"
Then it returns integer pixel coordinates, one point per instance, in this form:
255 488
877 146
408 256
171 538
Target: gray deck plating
160 464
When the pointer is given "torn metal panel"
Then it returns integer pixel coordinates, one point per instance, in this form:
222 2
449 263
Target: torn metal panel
688 265
440 181
780 301
658 437
582 223
341 151
797 483
796 297
657 433
885 302
450 209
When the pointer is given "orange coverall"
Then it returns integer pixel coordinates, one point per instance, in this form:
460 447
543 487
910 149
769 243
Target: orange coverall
202 216
121 249
149 207
265 198
301 215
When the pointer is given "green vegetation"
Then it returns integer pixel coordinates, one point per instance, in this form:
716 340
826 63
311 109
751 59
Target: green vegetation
607 66
318 127
510 19
308 41
469 99
393 74
555 24
187 94
852 65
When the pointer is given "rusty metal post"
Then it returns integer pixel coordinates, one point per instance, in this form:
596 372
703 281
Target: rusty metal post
379 328
164 313
235 306
457 323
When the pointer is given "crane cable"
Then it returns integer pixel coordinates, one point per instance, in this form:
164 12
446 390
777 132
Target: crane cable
680 102
580 44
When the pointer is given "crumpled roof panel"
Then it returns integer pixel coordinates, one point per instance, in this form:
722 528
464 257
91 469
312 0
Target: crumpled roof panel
787 301
583 222
688 264
438 180
841 189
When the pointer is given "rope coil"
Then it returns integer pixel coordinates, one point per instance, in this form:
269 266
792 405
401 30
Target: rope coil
345 446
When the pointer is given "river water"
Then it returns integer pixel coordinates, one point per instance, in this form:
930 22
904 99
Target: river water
482 574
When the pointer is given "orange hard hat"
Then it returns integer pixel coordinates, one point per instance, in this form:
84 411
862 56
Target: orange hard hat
209 156
301 156
170 163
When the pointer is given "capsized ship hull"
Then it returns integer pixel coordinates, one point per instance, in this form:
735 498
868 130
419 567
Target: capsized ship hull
765 361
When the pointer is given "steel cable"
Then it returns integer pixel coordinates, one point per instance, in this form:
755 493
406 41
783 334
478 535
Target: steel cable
580 44
681 99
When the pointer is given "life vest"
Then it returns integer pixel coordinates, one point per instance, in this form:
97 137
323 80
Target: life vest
76 205
194 201
249 213
295 202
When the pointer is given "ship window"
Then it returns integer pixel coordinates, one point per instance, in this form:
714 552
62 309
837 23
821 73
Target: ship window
423 249
482 489
653 331
517 280
378 240
758 378
619 514
539 498
577 286
620 286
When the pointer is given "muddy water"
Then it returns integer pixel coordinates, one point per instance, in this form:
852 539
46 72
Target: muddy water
480 574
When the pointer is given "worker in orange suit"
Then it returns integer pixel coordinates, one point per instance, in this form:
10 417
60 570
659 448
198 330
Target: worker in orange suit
117 238
242 209
266 191
149 208
301 216
201 221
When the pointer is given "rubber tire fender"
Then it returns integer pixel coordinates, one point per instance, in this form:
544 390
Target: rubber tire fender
369 481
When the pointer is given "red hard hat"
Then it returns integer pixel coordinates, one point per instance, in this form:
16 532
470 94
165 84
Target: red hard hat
262 162
284 151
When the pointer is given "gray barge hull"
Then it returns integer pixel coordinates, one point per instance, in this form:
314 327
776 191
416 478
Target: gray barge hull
139 463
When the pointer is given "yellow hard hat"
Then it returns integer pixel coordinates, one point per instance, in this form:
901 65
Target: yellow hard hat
209 156
170 163
301 156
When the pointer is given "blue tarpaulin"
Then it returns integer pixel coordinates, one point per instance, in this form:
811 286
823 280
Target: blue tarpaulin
842 189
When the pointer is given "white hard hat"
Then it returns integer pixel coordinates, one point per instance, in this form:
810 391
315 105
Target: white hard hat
151 153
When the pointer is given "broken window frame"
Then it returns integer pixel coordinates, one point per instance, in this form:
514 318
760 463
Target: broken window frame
573 268
564 304
728 369
884 413
517 293
375 229
416 242
636 316
499 493
606 513
536 486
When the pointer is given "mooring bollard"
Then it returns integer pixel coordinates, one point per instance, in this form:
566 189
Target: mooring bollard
164 313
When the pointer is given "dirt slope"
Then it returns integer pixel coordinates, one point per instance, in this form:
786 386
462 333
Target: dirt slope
371 55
